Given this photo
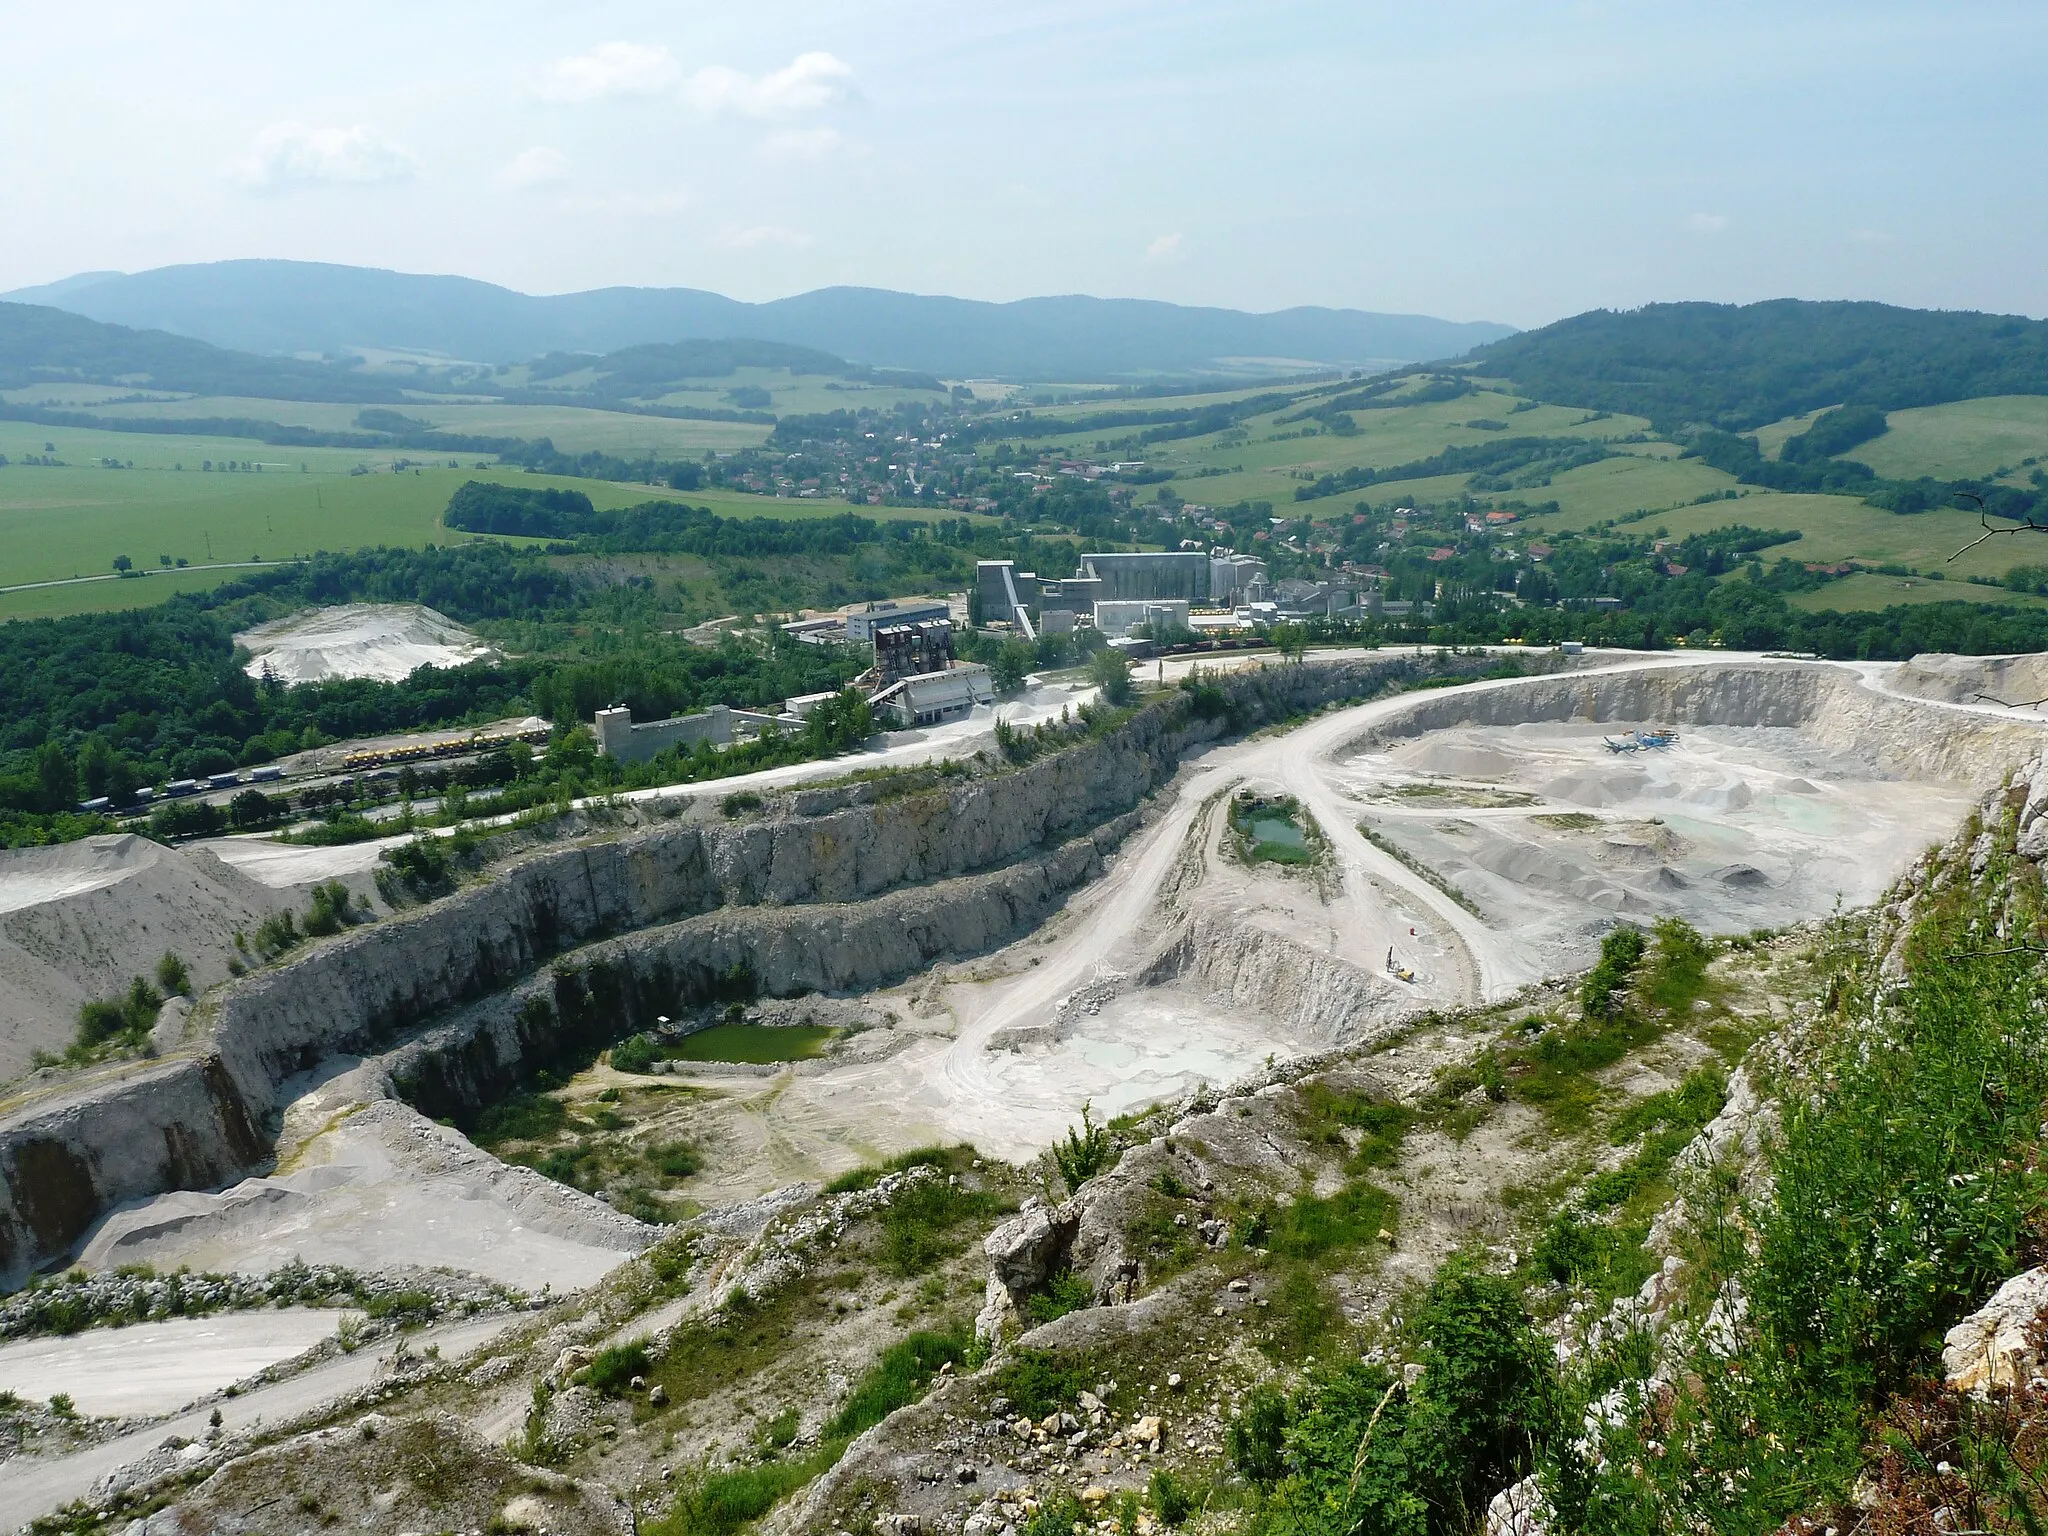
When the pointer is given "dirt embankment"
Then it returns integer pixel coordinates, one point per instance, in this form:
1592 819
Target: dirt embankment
777 884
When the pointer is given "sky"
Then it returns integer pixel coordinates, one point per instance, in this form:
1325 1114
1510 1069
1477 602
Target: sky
1473 159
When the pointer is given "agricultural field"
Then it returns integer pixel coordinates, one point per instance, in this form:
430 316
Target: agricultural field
572 428
1970 437
1840 528
1872 591
71 520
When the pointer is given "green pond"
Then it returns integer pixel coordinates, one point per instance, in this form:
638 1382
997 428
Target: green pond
1277 829
751 1043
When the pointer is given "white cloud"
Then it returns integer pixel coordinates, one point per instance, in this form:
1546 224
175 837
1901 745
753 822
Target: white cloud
611 69
536 167
1706 223
759 235
294 155
1870 237
809 82
1165 248
802 143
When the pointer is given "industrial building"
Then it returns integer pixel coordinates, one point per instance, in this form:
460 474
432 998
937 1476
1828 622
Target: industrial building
933 698
863 619
1007 595
621 740
911 649
1230 577
1117 620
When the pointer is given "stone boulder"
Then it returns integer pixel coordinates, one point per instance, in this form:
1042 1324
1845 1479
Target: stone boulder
1993 1346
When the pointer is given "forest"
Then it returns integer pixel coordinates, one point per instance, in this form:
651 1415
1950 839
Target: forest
1737 367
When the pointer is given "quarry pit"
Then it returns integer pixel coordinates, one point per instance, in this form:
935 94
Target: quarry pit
992 954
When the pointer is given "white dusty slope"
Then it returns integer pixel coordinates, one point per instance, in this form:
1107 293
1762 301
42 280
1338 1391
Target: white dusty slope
365 1181
152 1368
78 921
380 640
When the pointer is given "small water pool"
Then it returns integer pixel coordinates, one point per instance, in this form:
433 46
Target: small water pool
1277 829
759 1043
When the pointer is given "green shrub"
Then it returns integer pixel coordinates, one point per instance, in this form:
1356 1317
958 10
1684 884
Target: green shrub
1677 973
740 802
635 1053
1061 1513
1086 1151
277 933
1620 953
864 1177
613 1370
1314 1226
331 910
123 1022
918 1223
1172 1500
523 1117
1257 1439
1065 1292
675 1159
724 1502
172 975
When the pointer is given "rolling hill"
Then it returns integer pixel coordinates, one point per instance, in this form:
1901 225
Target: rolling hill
302 307
40 345
1740 367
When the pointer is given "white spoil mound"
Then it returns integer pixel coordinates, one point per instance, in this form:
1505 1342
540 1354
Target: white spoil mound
386 641
80 920
153 1368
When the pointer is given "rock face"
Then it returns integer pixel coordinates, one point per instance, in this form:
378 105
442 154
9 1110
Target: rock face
666 911
1994 1346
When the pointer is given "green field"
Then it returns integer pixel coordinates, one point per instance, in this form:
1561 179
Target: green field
1260 468
64 522
573 429
1772 437
1870 591
1841 528
1970 437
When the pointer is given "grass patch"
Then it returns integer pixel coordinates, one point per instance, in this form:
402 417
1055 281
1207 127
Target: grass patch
1568 821
1315 1226
898 1379
1038 1383
921 1157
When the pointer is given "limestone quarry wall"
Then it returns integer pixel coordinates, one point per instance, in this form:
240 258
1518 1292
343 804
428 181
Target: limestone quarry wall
794 877
1830 705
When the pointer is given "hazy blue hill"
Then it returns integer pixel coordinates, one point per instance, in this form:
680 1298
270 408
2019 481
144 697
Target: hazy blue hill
1737 367
283 306
39 345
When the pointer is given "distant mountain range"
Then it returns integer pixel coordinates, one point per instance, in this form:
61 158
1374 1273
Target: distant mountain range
295 307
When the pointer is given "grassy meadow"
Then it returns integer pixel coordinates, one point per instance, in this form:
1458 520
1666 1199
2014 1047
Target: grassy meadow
1970 437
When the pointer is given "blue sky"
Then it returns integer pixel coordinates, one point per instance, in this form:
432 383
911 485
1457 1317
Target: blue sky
1479 160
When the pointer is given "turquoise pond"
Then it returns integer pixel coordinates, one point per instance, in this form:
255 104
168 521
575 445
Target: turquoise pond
1277 829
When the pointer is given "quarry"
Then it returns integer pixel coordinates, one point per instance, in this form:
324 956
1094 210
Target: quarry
626 1158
